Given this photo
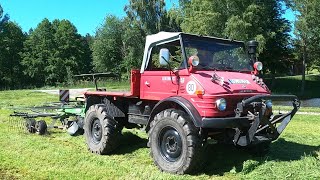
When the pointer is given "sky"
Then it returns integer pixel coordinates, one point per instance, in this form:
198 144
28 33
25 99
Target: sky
86 15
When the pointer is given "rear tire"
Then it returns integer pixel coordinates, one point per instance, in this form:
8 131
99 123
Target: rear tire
101 131
175 142
41 127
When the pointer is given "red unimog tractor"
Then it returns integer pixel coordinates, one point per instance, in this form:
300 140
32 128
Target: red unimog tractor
190 89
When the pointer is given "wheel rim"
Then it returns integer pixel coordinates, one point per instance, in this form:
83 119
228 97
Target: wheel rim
170 144
37 126
96 131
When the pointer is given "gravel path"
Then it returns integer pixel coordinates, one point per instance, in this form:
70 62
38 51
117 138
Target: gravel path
73 92
302 113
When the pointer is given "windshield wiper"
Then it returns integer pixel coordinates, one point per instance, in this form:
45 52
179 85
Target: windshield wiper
227 68
209 68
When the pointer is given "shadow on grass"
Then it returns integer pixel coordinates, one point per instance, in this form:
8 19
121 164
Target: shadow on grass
130 142
221 158
55 131
283 150
227 158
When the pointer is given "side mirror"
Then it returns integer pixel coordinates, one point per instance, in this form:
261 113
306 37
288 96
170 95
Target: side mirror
164 56
194 61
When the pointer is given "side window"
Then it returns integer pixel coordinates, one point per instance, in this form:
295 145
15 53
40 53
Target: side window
176 58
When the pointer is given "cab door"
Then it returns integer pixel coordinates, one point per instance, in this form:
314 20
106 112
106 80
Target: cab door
157 85
158 81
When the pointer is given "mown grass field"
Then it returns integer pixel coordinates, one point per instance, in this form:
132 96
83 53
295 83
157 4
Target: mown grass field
296 155
292 85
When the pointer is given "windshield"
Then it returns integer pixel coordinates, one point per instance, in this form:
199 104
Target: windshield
217 54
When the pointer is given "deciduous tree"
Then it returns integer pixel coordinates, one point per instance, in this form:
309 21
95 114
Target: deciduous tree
38 49
11 43
243 20
150 15
3 18
107 47
53 52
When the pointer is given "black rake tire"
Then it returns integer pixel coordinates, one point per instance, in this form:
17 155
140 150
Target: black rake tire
30 125
175 143
41 127
102 132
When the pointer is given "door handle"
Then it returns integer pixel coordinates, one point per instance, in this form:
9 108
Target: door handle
147 83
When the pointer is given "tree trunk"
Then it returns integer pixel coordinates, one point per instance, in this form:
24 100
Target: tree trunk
273 78
303 68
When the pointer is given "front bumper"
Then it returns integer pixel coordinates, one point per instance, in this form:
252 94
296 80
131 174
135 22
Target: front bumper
251 128
228 122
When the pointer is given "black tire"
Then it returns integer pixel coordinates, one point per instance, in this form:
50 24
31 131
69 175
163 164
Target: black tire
176 146
101 131
30 125
259 150
41 127
80 122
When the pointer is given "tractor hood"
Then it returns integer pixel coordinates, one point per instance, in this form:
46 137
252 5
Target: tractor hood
222 82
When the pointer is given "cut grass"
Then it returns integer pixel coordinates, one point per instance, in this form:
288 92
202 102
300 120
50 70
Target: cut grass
24 98
296 155
302 109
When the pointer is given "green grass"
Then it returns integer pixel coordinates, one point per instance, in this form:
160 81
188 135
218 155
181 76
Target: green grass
292 85
23 98
296 155
302 109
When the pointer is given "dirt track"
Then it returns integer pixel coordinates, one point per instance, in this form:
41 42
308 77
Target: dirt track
73 92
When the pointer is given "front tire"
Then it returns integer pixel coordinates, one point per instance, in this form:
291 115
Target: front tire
101 131
175 142
31 125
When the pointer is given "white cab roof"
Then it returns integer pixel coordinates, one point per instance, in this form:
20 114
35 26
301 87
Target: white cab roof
156 39
166 37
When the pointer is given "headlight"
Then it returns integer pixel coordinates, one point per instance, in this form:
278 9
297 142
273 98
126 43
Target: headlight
221 104
268 104
258 66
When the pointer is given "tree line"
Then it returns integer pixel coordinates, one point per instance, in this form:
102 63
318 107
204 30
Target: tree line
54 51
